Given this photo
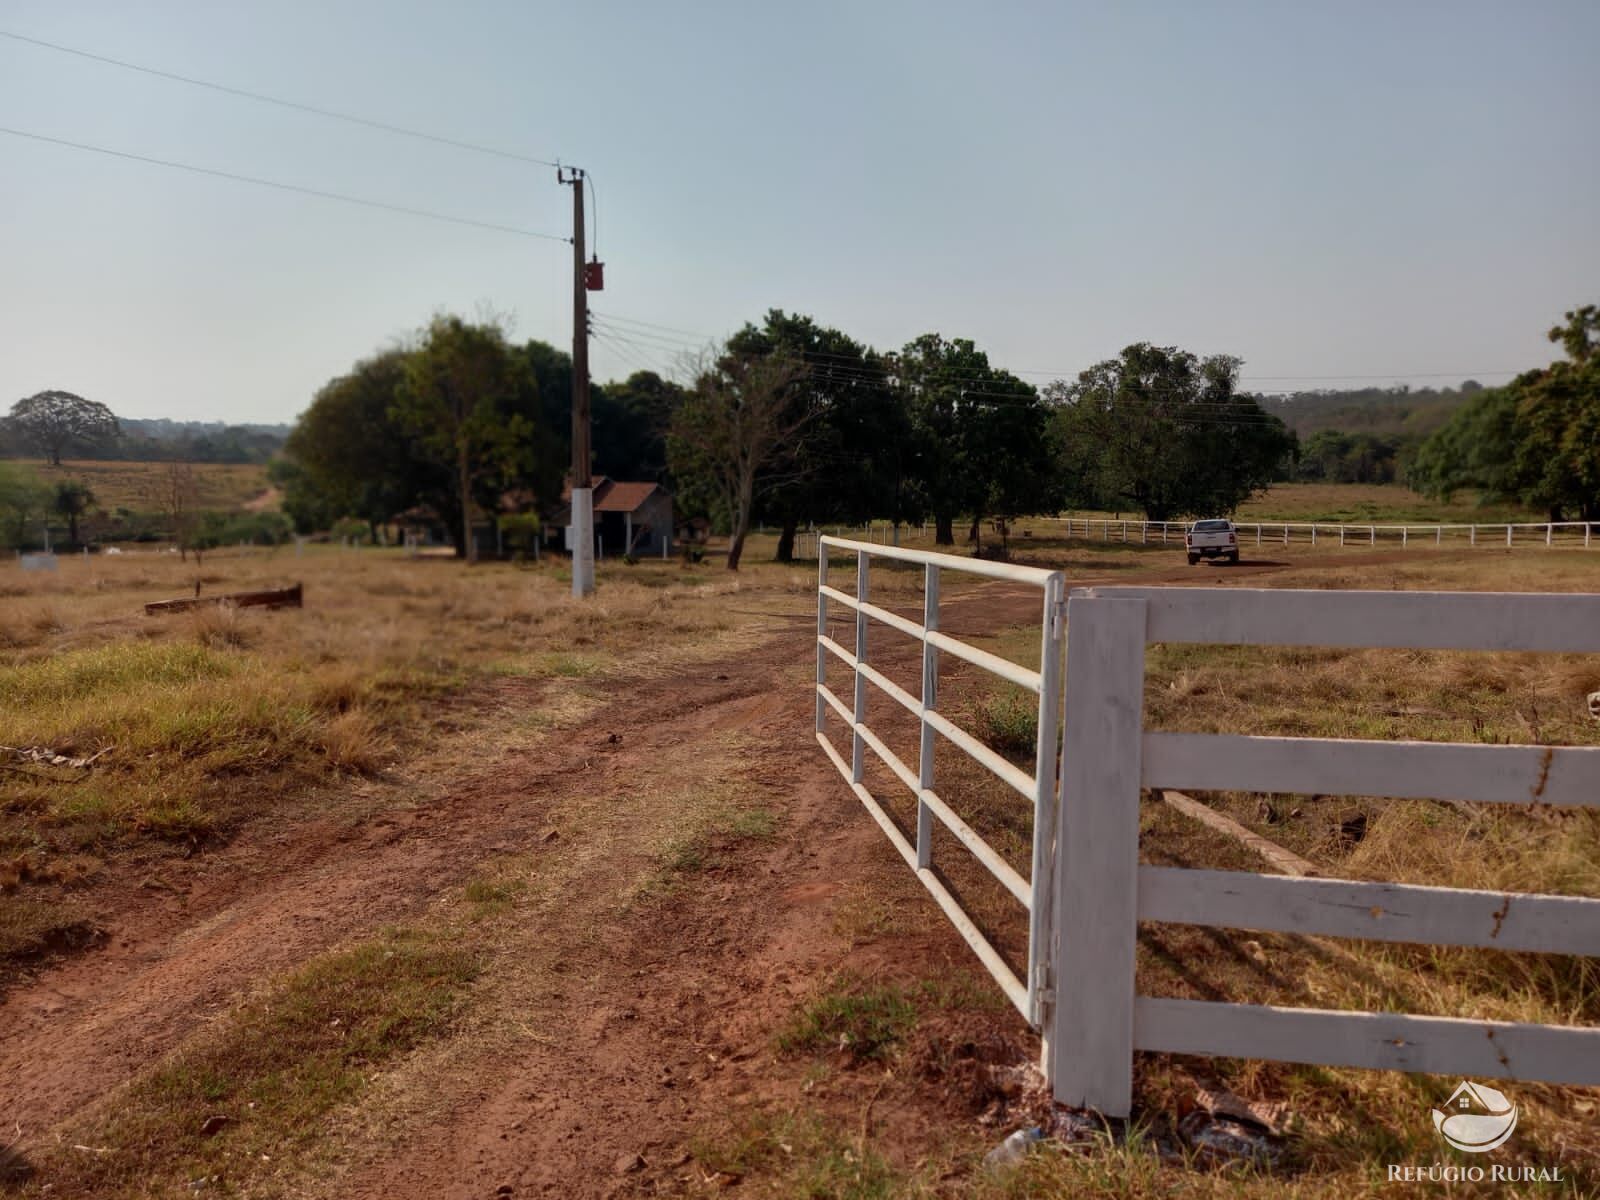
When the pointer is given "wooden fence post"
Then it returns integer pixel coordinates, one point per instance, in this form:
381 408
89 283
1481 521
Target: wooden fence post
1095 922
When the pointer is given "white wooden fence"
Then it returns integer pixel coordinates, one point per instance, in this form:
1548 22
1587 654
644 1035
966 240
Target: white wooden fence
1326 533
1103 893
1088 892
1039 788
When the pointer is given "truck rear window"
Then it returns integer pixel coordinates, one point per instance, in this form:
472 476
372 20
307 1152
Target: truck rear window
1212 526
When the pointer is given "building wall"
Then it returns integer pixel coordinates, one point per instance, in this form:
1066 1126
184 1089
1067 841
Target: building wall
655 512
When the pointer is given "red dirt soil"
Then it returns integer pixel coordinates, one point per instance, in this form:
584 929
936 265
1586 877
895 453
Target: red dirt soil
665 1015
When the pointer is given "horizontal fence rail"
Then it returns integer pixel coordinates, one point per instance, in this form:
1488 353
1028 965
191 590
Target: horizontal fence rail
1102 892
1030 994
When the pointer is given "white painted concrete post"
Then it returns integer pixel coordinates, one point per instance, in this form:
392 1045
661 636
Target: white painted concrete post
930 699
1549 531
1474 535
1405 535
1090 1063
1313 533
1372 535
1341 535
1258 536
1286 535
1508 536
857 745
582 546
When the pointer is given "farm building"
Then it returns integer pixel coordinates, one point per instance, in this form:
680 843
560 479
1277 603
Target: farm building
629 518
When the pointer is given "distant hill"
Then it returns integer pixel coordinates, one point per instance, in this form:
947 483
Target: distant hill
1400 412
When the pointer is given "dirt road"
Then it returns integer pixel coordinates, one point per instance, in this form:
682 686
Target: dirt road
650 1019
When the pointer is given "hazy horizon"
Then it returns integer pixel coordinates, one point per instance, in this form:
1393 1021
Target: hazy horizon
1352 195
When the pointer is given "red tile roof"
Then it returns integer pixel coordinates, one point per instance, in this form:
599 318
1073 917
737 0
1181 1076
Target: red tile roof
624 497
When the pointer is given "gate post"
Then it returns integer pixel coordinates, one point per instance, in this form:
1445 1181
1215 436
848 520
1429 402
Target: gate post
1046 759
1090 1063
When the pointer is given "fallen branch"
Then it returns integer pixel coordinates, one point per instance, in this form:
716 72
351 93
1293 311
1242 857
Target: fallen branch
44 756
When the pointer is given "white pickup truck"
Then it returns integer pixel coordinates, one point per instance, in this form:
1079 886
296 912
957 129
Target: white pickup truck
1211 539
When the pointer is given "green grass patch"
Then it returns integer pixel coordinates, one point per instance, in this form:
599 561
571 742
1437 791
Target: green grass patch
798 1155
706 845
273 1070
862 1021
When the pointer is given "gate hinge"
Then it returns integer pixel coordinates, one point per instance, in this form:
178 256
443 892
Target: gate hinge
1058 619
1044 995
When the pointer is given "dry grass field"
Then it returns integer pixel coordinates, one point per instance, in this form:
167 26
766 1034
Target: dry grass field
447 884
136 486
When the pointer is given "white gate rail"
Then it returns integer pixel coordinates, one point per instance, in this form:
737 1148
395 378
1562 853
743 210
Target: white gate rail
1102 892
1033 893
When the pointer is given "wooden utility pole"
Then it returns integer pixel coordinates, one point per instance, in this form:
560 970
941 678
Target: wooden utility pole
581 541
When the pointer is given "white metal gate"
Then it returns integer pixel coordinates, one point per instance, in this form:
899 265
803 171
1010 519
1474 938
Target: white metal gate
1088 891
1030 998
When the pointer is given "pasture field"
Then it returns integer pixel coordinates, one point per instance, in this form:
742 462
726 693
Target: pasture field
136 486
447 883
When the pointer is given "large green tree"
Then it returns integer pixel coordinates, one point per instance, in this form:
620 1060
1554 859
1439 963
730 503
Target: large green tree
979 435
1168 433
56 423
72 500
852 462
346 456
1535 441
459 401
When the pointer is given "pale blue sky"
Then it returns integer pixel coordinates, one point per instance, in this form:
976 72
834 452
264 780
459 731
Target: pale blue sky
1337 189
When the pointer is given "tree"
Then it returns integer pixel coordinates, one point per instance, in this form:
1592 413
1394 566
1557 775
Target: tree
978 433
854 460
741 413
629 426
456 399
1169 433
176 493
23 498
347 457
57 423
1535 441
72 500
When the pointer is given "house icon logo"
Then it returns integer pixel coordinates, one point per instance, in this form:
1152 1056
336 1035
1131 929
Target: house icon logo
1475 1118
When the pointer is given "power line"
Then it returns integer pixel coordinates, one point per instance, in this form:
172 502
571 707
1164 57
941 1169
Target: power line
369 123
287 187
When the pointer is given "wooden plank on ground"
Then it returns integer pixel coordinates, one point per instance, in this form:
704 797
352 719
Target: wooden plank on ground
289 597
1286 861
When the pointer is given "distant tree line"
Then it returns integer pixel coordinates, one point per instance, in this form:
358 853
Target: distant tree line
55 424
790 423
1535 441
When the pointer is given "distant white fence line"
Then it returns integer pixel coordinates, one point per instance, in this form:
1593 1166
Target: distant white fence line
1088 892
1570 534
1547 533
